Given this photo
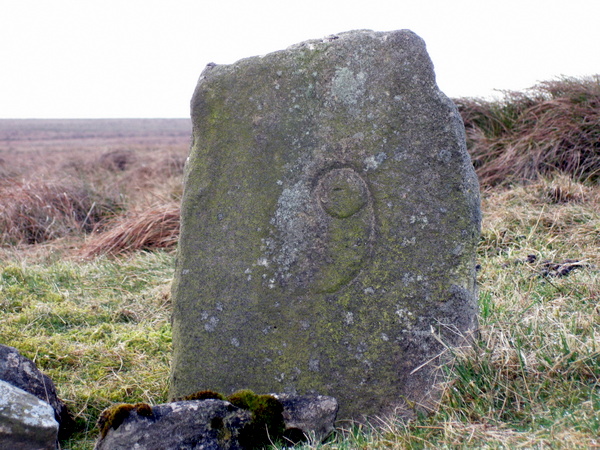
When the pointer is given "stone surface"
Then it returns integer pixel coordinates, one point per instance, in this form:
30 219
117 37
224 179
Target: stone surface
24 374
329 225
26 422
190 425
308 417
208 424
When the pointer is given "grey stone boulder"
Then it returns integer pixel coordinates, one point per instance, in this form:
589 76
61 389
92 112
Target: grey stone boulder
329 227
26 422
191 425
24 374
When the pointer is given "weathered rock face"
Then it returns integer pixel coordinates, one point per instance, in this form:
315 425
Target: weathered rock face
24 374
210 424
308 417
329 226
207 425
26 422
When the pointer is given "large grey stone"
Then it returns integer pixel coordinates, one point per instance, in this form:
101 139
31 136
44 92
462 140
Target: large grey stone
24 374
329 225
26 422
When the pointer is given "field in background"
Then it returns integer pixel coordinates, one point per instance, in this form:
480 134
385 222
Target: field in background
68 178
89 219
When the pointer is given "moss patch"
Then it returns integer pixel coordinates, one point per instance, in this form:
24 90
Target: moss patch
114 416
267 423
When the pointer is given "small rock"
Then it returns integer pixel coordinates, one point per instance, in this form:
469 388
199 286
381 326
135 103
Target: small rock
210 424
309 417
193 425
560 269
21 372
26 422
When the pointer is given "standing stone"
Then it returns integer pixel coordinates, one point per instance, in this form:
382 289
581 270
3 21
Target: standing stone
329 227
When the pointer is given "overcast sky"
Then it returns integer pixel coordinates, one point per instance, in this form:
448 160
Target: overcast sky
142 58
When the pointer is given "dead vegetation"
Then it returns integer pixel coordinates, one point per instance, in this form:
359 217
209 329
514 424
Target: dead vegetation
118 195
99 195
153 228
33 212
552 127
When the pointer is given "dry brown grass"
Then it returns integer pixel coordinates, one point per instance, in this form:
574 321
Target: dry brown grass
33 212
152 228
552 127
95 176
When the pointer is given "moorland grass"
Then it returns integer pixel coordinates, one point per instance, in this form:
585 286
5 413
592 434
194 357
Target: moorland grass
100 329
92 308
551 127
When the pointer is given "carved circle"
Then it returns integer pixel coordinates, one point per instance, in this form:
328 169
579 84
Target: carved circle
342 193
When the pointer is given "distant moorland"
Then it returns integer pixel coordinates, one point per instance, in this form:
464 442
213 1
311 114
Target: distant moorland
89 219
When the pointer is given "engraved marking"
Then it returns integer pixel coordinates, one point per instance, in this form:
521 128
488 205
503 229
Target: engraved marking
342 193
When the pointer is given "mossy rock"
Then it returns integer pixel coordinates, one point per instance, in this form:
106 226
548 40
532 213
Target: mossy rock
329 225
114 416
267 423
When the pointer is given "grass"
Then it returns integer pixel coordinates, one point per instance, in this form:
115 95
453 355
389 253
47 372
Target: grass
100 329
552 127
89 299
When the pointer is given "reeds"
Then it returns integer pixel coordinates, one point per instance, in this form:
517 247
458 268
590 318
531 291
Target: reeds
148 229
552 127
32 212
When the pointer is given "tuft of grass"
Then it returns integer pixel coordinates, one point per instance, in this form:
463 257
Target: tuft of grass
552 127
32 212
148 229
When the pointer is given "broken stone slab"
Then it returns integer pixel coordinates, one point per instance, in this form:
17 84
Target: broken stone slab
308 417
329 227
26 422
210 424
24 374
194 425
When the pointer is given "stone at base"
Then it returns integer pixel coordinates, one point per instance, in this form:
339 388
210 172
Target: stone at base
193 425
24 374
215 424
308 417
26 422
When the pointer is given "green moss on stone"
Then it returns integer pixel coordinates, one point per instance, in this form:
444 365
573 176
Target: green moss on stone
293 274
114 416
201 395
267 423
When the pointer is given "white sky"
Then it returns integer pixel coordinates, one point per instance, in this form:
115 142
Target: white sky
142 58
